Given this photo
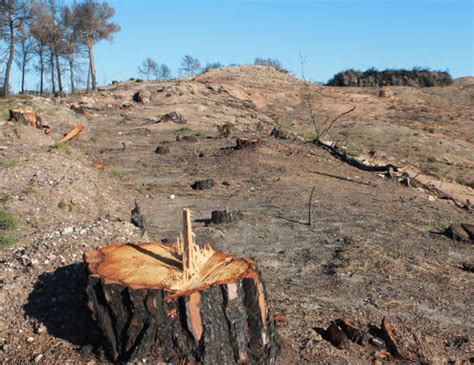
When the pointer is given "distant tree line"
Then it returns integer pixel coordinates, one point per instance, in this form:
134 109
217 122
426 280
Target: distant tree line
50 39
151 69
271 62
191 66
399 77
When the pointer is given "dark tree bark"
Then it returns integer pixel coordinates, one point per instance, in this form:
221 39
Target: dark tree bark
71 71
6 79
203 184
23 72
58 68
88 87
53 82
225 216
139 324
41 68
180 304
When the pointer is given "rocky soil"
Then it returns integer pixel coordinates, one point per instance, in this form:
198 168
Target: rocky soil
374 249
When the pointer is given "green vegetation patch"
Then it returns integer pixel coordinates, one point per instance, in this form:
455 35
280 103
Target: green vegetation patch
64 147
186 132
116 173
5 197
141 190
7 240
8 221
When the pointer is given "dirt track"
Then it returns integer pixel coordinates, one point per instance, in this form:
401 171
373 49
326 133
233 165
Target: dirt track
369 254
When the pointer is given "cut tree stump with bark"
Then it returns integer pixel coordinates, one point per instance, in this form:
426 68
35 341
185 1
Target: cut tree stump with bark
29 118
180 303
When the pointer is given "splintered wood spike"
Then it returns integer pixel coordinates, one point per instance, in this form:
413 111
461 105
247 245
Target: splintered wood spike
188 245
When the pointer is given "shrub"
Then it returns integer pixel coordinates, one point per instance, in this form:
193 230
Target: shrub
210 66
400 77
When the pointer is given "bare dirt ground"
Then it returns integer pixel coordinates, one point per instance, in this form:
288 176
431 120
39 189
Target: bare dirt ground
371 252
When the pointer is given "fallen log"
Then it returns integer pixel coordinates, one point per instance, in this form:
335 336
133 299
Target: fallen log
180 303
343 156
441 194
73 133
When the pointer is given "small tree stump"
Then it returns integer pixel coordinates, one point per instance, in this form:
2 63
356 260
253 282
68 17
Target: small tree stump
279 133
203 184
29 118
180 303
225 216
162 150
142 96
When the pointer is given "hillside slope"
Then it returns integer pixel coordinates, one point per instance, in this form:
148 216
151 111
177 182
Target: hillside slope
371 252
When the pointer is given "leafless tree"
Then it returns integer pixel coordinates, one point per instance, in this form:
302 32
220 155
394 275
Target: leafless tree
24 52
71 44
190 66
148 68
321 128
40 36
55 30
13 14
163 72
92 22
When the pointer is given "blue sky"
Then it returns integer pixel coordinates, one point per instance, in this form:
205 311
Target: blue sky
334 35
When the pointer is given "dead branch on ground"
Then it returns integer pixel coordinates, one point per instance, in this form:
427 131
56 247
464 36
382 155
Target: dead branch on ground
310 206
340 178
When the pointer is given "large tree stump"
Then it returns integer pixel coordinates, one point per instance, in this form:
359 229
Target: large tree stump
29 118
180 303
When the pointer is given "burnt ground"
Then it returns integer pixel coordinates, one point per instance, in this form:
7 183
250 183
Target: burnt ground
373 249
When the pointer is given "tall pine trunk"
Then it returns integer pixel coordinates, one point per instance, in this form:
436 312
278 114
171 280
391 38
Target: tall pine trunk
88 80
90 45
23 72
58 68
53 81
41 60
6 80
71 70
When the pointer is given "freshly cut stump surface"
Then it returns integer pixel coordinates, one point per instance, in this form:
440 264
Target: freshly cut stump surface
179 304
